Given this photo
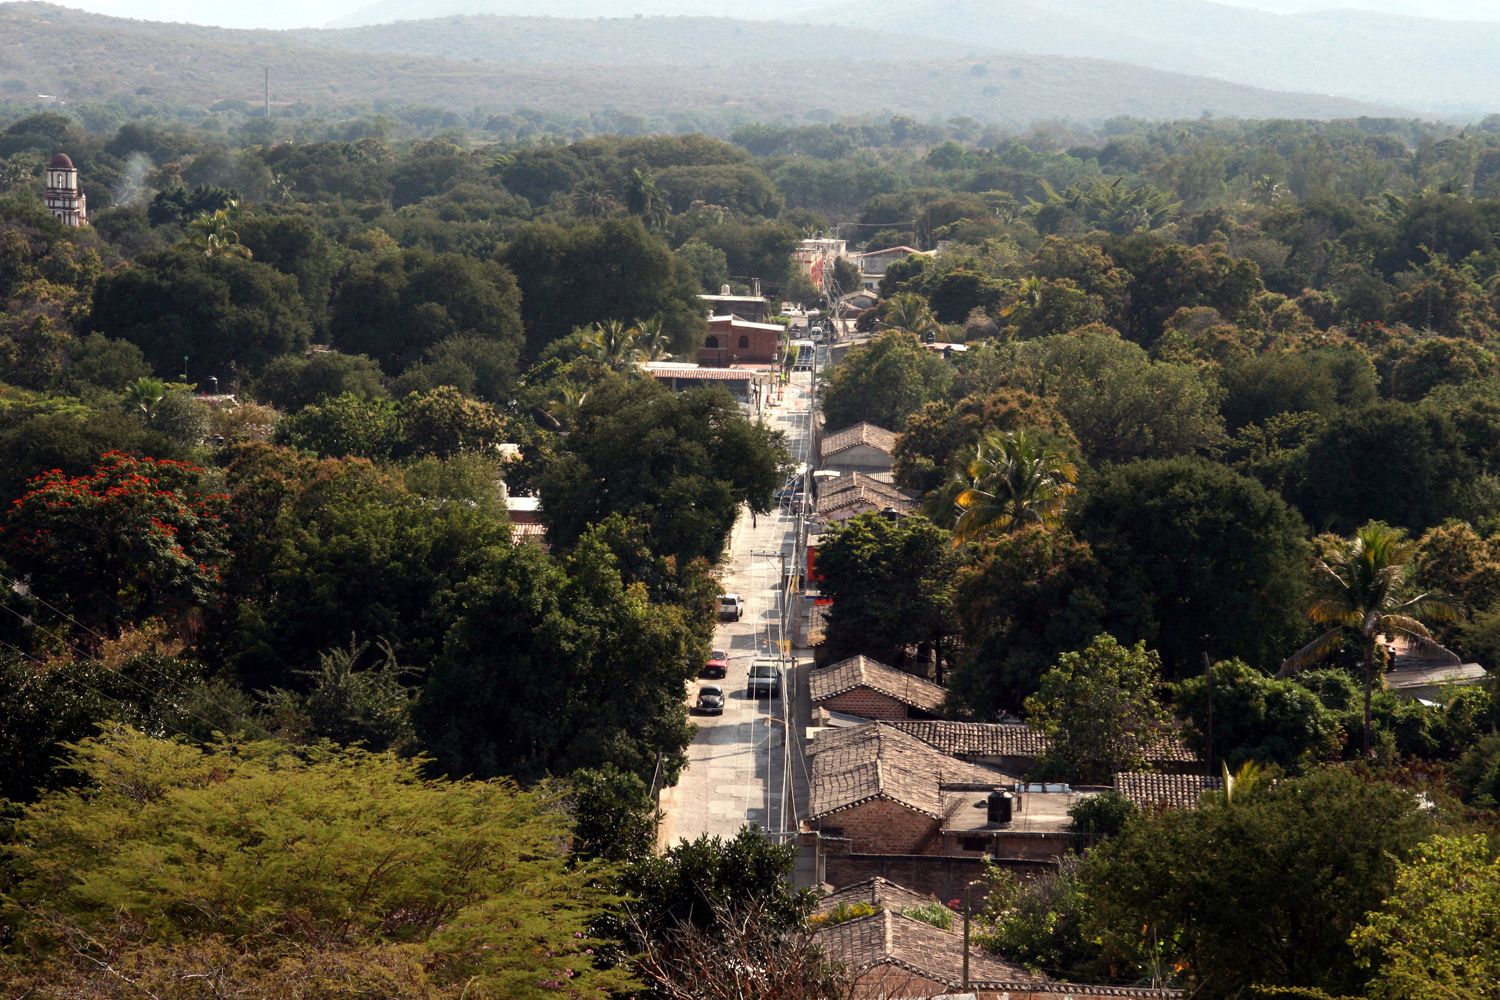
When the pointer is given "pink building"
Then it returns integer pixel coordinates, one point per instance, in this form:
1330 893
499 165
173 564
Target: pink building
67 204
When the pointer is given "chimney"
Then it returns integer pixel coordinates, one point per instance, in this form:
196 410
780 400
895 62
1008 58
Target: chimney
723 289
755 287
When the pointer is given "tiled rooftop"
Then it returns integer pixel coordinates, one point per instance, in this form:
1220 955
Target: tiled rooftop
861 671
861 433
1180 791
877 891
888 938
861 763
987 739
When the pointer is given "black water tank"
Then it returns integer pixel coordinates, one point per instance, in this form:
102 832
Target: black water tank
1000 806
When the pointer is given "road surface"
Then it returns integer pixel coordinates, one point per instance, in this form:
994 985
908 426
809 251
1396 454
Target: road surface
735 765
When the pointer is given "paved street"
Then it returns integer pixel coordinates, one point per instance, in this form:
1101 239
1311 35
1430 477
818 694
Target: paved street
735 765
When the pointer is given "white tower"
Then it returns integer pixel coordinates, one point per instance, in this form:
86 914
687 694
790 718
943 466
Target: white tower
67 204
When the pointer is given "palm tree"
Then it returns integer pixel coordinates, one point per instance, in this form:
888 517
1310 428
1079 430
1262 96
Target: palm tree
142 396
591 199
909 312
1367 592
211 231
644 199
1012 480
563 409
612 345
653 342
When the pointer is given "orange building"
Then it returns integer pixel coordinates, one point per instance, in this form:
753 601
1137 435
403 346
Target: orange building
733 341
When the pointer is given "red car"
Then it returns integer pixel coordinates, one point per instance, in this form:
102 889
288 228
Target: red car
717 665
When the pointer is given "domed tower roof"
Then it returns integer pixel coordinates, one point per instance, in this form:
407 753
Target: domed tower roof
62 162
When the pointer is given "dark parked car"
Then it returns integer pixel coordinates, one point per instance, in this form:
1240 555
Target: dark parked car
717 665
764 679
710 700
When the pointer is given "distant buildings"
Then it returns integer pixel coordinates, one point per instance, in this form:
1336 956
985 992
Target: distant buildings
67 204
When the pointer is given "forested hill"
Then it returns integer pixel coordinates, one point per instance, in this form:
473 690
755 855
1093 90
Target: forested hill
1445 67
1436 66
91 58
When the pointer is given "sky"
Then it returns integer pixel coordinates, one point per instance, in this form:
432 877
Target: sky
301 14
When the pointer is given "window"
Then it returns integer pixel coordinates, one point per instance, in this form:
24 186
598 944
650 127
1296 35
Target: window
744 343
974 843
711 342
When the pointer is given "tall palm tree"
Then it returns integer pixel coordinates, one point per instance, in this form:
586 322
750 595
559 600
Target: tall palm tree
1012 480
653 342
909 312
142 396
1367 592
613 345
591 199
644 199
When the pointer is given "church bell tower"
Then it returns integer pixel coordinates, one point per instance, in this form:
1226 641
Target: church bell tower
67 204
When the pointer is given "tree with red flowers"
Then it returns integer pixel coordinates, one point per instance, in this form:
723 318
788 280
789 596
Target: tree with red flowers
135 538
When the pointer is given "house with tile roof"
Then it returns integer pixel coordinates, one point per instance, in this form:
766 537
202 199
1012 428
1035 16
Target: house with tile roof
870 689
852 493
862 448
883 791
894 955
1175 791
1015 748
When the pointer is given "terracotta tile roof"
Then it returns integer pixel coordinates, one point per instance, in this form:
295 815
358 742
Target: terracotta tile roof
867 497
1071 990
888 938
987 739
977 739
817 624
861 433
1179 791
829 485
876 761
875 891
861 671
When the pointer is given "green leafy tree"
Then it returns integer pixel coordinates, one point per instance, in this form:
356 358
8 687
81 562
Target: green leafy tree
613 815
1099 710
346 425
173 856
223 313
213 234
681 464
934 435
551 667
1223 559
1478 773
1265 891
1437 935
884 382
614 345
891 583
1257 718
1012 480
909 313
135 538
1422 455
395 306
1119 403
368 707
571 278
443 423
292 381
1024 599
1365 591
73 442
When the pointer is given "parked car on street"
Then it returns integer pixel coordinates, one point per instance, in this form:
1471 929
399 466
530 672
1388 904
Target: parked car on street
764 679
710 700
731 608
717 665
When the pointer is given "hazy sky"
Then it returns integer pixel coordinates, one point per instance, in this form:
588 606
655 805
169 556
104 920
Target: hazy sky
300 13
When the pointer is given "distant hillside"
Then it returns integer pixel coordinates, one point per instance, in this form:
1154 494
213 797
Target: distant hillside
45 49
1447 67
1440 66
646 41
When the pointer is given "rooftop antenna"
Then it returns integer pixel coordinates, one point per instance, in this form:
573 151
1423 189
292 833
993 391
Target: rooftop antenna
268 91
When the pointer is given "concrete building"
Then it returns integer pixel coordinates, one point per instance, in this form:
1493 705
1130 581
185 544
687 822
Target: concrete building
746 383
67 204
871 690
